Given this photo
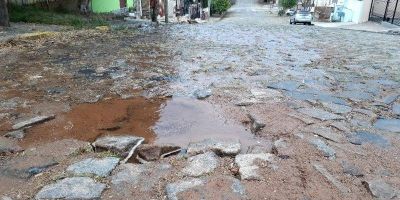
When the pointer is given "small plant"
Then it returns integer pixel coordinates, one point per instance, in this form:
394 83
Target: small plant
220 6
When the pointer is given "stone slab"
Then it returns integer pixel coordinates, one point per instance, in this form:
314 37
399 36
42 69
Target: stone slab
101 167
72 188
222 147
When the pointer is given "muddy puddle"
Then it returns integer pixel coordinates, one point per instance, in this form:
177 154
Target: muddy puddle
177 120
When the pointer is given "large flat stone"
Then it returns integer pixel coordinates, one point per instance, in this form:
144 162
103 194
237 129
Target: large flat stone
215 187
117 144
380 189
351 169
357 95
32 121
337 108
173 189
201 164
391 125
363 137
139 180
93 166
219 146
72 188
319 114
247 166
326 133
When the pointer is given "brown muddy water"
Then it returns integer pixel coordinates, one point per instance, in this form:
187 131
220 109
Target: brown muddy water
177 120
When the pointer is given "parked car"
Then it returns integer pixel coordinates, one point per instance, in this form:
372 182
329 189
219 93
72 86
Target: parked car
290 12
304 17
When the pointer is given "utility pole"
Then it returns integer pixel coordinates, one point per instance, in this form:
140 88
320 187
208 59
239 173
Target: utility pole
4 20
166 10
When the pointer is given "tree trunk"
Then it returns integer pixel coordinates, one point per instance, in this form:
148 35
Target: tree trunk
4 20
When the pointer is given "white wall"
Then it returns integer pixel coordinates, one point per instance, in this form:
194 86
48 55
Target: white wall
357 11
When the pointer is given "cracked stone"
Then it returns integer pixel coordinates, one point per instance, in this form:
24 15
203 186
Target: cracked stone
72 188
201 164
93 166
247 166
224 147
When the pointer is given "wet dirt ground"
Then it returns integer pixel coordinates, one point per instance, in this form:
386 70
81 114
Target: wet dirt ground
147 83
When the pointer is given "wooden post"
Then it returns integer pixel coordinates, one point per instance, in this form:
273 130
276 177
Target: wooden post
4 20
166 10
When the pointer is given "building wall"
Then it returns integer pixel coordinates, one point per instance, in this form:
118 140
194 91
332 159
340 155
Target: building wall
364 17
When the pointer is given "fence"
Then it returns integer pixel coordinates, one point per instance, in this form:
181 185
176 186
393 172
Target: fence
385 10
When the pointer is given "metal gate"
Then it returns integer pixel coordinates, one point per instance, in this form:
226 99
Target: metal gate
385 10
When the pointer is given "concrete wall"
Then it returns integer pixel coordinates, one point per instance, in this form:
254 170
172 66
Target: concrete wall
359 9
365 11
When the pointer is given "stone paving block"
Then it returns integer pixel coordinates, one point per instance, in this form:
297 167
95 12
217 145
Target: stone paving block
223 147
319 114
94 166
201 164
72 188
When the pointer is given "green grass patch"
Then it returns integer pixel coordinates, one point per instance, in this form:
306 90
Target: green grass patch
32 14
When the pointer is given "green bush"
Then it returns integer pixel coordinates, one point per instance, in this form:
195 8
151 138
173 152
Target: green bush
32 14
220 6
286 4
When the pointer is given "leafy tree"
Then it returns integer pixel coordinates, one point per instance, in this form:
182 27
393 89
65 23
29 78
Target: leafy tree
286 4
220 6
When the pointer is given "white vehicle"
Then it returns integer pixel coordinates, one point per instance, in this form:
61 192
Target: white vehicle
304 17
290 12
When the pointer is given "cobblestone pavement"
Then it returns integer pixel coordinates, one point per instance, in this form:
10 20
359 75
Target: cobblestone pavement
316 110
